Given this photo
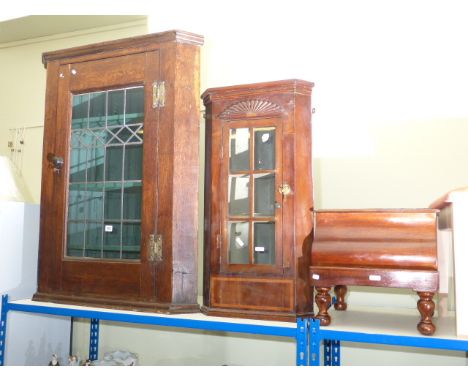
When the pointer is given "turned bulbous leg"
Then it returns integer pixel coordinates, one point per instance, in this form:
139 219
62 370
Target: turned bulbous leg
323 301
340 293
426 308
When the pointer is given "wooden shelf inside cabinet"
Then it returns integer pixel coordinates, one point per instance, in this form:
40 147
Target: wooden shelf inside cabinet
120 174
258 200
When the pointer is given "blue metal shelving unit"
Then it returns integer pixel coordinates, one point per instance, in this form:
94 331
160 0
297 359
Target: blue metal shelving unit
307 332
300 332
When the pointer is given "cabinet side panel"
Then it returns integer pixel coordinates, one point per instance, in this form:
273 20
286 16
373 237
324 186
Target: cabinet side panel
208 239
165 173
186 173
304 201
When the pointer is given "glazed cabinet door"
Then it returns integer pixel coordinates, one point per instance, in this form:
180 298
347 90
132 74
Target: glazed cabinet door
251 199
104 204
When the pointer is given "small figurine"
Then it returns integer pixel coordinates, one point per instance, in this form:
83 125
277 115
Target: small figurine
54 361
87 362
73 360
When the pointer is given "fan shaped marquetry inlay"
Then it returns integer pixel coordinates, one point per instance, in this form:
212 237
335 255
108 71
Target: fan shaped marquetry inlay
252 107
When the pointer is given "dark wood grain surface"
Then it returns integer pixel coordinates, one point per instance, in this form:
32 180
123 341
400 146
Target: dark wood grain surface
170 174
276 291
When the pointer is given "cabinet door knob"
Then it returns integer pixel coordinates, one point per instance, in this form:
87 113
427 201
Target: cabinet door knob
285 189
56 161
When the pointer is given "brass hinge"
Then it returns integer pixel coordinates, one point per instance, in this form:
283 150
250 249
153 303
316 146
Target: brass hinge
159 94
155 247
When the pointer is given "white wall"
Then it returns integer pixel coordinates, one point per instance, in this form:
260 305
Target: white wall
390 127
22 99
31 339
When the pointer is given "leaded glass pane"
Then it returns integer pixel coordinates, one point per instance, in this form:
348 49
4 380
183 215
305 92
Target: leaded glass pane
75 239
97 109
77 201
78 164
105 189
95 164
114 158
132 201
113 201
134 105
133 154
115 107
80 111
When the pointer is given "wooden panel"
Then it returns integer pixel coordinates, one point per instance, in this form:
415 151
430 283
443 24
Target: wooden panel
47 277
417 280
101 278
248 293
400 239
108 73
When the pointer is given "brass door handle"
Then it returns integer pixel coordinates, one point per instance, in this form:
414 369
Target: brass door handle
285 189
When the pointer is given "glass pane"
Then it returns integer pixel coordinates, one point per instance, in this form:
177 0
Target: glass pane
264 194
97 109
103 153
78 165
264 148
131 237
134 105
238 242
113 201
93 240
264 243
114 158
133 162
238 195
95 164
94 202
75 239
132 200
115 108
76 201
112 237
137 133
111 255
239 149
80 111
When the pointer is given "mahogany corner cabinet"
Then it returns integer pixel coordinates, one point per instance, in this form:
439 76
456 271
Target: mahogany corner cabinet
258 200
120 173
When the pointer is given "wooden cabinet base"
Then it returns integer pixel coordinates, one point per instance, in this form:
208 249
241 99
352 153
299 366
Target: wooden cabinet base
109 303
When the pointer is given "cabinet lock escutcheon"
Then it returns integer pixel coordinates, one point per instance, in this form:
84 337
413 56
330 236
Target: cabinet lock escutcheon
155 248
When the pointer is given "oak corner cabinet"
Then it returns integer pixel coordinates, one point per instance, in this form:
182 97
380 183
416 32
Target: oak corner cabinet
119 196
258 200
